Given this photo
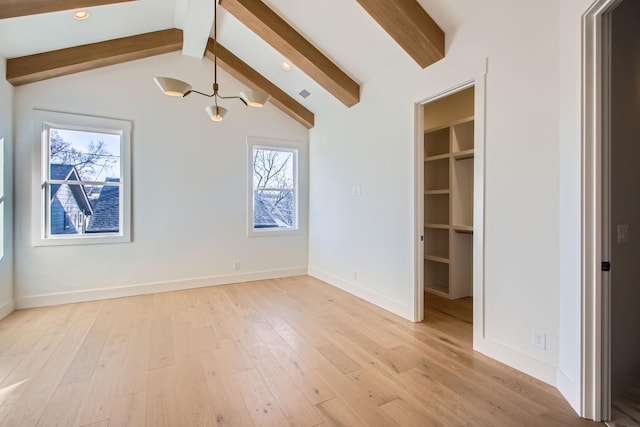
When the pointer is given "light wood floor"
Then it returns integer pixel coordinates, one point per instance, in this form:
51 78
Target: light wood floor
279 352
461 308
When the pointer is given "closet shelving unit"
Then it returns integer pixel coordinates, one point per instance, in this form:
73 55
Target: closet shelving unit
448 209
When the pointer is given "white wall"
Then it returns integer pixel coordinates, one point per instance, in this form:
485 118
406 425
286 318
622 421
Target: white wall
570 362
189 187
6 193
372 146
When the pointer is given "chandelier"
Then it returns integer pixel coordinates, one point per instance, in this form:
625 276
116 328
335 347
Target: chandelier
174 87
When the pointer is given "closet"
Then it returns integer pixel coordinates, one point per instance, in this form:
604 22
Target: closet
448 195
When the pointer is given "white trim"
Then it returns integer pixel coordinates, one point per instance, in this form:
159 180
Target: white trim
151 288
592 399
516 359
418 212
43 119
6 309
567 388
478 81
395 307
273 145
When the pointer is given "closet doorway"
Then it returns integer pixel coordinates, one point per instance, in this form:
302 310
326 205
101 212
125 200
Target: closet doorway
448 206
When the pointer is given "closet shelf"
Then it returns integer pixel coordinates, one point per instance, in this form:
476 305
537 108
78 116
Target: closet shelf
439 226
462 155
435 192
438 157
462 228
435 258
448 207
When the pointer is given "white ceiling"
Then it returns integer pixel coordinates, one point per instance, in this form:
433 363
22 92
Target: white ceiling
341 29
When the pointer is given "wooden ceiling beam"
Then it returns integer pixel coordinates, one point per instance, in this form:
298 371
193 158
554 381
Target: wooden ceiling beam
263 21
410 26
14 8
47 65
256 81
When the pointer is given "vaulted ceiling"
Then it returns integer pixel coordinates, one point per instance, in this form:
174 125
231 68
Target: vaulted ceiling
334 46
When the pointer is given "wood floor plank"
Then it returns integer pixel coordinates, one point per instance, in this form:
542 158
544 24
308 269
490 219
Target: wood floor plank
42 386
161 352
444 402
336 414
86 359
379 390
302 348
18 381
223 391
439 359
162 407
101 393
103 423
262 406
129 410
406 415
338 358
461 309
62 409
294 406
8 364
356 398
132 377
236 356
200 417
305 352
312 386
192 389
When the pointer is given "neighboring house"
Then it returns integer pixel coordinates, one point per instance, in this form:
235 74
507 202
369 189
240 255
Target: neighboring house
106 210
266 213
70 205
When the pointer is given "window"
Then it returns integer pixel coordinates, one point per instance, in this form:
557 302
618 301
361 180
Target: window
82 181
273 198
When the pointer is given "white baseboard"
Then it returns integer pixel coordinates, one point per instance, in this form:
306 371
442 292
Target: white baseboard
6 309
395 307
496 350
570 390
516 359
30 301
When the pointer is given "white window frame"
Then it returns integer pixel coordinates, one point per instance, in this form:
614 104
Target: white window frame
44 120
273 145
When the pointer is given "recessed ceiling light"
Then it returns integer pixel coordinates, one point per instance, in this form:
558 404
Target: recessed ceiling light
285 65
80 15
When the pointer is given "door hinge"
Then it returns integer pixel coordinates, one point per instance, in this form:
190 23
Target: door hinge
606 266
422 238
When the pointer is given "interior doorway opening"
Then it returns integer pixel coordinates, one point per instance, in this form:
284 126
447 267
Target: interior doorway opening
448 150
621 212
611 210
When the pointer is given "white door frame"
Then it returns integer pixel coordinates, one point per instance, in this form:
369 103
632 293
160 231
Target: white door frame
596 40
477 79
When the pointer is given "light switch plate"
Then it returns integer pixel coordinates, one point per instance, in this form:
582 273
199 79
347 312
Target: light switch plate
624 233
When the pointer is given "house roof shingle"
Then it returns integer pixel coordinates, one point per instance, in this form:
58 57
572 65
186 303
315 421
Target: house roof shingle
106 211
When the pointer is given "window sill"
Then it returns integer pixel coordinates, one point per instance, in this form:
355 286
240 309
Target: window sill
84 239
270 232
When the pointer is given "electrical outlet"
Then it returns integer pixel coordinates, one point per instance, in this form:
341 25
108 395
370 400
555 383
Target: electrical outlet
236 265
539 339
